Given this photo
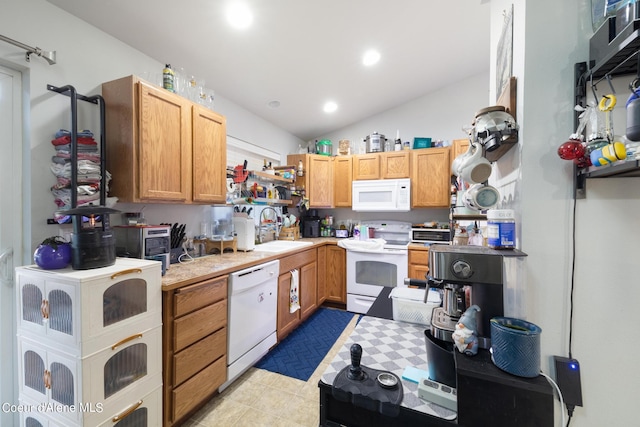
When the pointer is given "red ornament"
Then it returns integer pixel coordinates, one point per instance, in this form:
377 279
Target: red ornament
571 150
582 162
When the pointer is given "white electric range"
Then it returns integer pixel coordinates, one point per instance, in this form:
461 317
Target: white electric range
369 271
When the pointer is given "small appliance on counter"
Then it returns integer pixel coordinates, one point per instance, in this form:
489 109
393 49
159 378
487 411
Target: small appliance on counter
144 241
310 224
430 233
471 275
245 229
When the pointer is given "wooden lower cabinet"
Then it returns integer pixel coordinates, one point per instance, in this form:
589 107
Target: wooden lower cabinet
418 263
334 274
306 264
194 346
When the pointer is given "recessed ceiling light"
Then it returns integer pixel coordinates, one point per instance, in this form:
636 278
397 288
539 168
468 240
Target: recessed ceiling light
330 107
273 104
370 57
239 16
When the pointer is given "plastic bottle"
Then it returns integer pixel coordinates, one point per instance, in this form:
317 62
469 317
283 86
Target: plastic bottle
168 78
501 229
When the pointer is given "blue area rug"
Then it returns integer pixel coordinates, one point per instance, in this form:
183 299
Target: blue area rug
300 353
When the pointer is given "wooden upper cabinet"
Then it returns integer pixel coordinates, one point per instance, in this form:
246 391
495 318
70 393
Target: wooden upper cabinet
210 156
366 166
394 164
343 175
320 181
430 178
317 180
390 165
162 147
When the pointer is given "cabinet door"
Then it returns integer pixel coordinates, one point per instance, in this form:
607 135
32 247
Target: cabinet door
321 262
343 175
320 181
394 165
209 156
366 166
164 145
47 376
48 309
336 276
287 321
430 178
308 290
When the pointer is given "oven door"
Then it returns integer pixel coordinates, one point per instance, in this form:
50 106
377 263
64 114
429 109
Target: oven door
369 272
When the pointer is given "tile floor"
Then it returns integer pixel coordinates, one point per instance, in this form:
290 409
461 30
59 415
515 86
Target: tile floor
263 398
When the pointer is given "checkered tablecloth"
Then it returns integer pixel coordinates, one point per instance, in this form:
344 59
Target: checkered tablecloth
390 346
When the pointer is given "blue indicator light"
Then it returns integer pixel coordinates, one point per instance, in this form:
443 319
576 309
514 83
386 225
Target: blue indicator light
573 366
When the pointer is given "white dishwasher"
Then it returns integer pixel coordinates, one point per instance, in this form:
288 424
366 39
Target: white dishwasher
253 306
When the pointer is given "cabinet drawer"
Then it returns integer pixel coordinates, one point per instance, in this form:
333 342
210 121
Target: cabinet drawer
201 294
296 261
195 357
419 257
197 325
191 393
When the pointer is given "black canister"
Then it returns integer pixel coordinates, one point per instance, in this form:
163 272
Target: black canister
633 117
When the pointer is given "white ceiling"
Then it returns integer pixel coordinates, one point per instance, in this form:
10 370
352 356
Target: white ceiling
303 53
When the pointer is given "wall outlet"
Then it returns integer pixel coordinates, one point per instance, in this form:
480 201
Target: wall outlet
568 380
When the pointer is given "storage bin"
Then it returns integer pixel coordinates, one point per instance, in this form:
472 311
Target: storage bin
421 142
409 306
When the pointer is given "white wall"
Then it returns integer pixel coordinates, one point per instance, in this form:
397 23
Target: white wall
439 115
606 221
86 57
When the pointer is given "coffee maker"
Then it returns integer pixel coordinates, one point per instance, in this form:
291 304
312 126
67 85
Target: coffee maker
471 275
310 224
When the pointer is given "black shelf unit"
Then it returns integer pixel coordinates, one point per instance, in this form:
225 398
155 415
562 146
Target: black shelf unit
623 59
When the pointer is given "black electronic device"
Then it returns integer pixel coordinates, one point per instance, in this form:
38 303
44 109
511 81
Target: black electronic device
568 380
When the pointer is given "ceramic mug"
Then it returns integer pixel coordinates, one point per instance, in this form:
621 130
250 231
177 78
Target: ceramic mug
481 197
475 168
458 161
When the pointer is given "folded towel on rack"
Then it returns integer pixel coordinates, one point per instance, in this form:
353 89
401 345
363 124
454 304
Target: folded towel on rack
67 139
294 296
63 132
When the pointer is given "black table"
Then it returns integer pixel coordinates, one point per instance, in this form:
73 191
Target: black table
486 395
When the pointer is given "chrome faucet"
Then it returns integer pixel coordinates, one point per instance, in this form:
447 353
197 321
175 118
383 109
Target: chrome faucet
263 228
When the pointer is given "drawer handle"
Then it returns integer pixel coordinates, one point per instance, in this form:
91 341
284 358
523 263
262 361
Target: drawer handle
44 309
46 379
126 340
124 272
127 412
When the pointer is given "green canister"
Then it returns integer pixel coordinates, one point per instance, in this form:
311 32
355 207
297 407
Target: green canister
324 147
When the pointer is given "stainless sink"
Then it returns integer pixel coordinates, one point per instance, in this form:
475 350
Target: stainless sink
276 246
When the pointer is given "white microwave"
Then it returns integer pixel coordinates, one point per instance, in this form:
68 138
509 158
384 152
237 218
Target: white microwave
381 195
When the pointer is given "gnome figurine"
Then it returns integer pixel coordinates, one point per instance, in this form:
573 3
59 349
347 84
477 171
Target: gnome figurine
465 337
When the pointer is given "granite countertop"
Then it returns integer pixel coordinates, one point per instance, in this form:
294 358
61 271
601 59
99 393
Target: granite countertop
210 266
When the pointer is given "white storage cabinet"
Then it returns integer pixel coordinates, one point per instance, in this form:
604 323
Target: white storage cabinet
89 343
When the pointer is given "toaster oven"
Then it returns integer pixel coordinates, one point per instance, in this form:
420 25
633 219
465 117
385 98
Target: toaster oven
430 235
